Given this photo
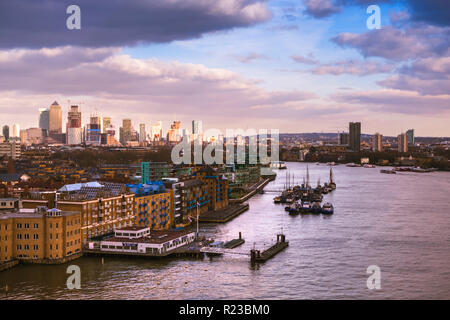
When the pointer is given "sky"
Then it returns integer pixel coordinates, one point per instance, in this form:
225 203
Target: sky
295 66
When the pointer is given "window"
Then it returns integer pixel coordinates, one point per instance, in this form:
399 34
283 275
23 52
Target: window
19 247
27 247
35 247
36 226
35 236
27 225
19 226
26 236
19 236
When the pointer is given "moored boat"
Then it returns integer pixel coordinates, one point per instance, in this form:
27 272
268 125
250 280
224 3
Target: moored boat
305 207
327 208
316 208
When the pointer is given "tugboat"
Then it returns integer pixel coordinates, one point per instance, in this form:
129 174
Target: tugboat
327 208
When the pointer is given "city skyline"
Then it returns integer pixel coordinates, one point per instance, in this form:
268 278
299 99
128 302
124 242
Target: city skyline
306 67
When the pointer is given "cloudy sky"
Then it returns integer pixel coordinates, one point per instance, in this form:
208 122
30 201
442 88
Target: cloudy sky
296 66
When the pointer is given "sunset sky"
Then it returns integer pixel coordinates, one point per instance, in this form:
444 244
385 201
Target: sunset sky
296 66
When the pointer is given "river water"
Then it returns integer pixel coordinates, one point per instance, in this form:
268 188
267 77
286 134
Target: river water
400 223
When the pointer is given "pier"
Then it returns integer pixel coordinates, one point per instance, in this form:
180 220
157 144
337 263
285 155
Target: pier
258 256
235 242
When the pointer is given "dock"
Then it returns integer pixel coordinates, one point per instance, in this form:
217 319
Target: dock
234 243
225 214
258 256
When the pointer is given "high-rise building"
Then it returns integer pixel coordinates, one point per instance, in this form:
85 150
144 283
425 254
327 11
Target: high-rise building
6 132
377 142
343 138
73 127
142 133
174 133
156 131
355 136
197 130
126 131
109 137
93 131
197 126
410 137
16 130
106 124
44 120
402 142
55 119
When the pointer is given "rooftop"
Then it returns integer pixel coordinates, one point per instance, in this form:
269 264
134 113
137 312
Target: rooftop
157 237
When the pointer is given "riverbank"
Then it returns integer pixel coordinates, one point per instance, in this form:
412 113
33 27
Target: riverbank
254 190
225 214
8 265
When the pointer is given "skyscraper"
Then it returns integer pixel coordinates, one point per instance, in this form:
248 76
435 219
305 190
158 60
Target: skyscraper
402 143
377 142
174 133
16 130
343 138
410 137
355 136
125 131
44 120
106 124
6 132
197 130
156 131
142 133
93 130
55 119
73 127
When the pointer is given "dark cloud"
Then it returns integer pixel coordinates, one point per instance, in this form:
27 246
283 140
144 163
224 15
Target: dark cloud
395 44
430 11
321 8
107 23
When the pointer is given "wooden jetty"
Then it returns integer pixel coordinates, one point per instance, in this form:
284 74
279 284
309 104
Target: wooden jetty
258 256
234 243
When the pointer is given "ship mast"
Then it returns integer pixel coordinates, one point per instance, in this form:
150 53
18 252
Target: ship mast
331 175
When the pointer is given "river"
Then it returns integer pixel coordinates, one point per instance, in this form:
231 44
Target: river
400 223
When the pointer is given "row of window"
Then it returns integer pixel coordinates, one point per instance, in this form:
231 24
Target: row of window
26 236
27 226
27 247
